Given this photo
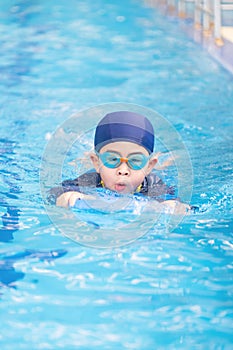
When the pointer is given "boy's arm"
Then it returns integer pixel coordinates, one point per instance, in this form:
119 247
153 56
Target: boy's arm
171 206
176 207
69 198
56 192
89 179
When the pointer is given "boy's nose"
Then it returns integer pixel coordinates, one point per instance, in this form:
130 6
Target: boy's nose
123 169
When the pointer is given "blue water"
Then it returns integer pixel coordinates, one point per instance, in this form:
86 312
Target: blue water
164 290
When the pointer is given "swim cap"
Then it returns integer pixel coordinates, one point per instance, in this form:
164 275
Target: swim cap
124 126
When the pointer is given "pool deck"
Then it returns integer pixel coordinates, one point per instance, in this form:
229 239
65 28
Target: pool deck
226 56
222 51
227 33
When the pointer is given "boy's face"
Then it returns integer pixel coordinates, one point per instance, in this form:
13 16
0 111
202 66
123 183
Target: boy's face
123 179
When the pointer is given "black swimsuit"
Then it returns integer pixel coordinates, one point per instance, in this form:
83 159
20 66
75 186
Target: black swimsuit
152 186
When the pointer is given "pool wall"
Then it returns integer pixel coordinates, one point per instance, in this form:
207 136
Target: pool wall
222 50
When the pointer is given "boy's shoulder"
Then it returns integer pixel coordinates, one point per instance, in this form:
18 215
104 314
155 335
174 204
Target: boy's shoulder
153 186
88 179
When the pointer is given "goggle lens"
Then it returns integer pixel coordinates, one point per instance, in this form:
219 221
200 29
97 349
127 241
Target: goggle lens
112 160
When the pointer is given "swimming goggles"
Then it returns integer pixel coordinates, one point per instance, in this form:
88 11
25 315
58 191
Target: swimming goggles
135 161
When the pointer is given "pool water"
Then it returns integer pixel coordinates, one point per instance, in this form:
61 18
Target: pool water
164 290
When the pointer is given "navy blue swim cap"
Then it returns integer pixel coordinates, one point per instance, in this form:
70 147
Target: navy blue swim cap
124 126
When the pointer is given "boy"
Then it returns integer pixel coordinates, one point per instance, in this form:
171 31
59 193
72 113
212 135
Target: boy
123 162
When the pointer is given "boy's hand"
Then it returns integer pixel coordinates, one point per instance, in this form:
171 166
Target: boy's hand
68 199
176 207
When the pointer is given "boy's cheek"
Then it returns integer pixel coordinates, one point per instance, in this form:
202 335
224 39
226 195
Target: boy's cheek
106 175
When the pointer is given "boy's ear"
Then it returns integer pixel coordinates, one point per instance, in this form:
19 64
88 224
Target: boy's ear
151 164
95 161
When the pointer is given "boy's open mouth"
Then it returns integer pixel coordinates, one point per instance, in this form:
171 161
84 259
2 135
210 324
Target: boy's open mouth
120 187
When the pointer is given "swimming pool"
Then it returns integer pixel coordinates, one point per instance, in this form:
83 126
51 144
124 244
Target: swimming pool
164 291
